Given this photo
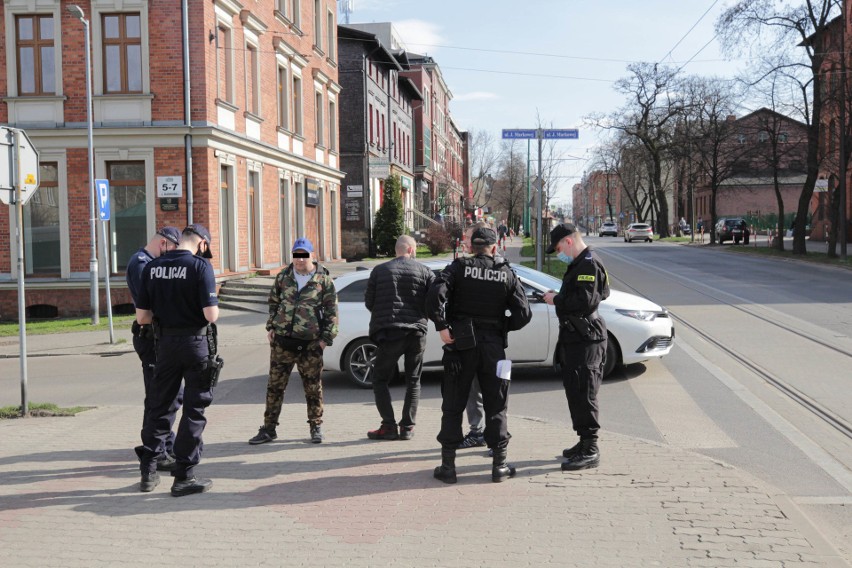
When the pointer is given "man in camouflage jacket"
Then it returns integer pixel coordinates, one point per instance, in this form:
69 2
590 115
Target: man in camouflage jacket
302 323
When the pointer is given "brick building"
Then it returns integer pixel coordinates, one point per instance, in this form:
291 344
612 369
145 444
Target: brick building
255 150
599 197
376 131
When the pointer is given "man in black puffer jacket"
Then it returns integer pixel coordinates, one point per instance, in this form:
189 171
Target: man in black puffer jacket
396 298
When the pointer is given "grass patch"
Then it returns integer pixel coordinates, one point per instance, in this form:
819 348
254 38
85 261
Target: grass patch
674 239
65 325
814 257
41 409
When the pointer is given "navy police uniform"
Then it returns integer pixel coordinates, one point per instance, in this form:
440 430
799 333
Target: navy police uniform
475 293
143 337
582 343
176 288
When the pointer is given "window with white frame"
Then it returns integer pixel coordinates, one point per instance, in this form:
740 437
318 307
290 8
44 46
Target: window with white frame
42 253
252 65
318 24
296 12
332 125
331 42
283 98
35 54
224 64
319 123
297 105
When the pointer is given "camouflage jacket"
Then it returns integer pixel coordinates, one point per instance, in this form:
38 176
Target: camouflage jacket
307 314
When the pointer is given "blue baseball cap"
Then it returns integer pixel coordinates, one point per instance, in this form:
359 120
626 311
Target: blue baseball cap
303 244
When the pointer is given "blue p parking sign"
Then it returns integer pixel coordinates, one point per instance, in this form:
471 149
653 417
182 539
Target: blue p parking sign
102 189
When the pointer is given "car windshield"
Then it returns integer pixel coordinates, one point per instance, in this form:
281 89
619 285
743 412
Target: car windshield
640 227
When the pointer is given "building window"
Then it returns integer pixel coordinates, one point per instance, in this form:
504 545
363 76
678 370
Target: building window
283 99
782 137
296 12
41 225
763 136
741 138
319 123
122 53
332 126
318 24
297 105
329 29
224 65
128 219
36 55
252 80
370 106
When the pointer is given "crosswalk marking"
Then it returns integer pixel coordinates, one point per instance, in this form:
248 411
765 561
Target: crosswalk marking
678 418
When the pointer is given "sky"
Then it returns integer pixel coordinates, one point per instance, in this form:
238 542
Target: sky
509 62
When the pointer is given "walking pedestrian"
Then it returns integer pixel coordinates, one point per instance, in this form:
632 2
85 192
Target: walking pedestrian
302 323
165 240
468 303
582 339
396 299
178 296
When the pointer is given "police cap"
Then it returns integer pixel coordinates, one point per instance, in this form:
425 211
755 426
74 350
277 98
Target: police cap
171 234
558 233
483 236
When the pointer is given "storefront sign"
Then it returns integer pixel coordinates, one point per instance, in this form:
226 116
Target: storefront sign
353 209
169 204
354 191
311 192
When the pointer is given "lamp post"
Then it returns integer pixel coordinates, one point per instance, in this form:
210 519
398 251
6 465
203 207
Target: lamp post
78 13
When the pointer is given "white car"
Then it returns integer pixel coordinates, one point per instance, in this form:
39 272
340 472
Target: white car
641 231
638 329
608 228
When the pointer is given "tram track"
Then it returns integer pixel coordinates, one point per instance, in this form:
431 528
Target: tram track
814 407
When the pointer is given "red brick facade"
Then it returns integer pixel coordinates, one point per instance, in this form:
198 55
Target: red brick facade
242 55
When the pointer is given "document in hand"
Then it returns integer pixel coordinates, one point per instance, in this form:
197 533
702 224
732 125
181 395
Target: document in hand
504 369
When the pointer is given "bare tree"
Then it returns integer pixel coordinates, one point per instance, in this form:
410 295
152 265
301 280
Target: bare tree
653 106
510 185
792 37
484 157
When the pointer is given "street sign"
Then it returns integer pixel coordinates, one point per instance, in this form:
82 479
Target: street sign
562 134
27 165
102 190
169 186
519 134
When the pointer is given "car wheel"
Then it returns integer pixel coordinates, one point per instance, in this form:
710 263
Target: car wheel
736 241
629 240
358 362
612 358
650 240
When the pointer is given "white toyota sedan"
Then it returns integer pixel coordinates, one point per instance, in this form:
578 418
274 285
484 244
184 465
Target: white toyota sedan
638 329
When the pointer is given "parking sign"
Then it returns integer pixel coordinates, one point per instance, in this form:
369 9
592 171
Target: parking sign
102 189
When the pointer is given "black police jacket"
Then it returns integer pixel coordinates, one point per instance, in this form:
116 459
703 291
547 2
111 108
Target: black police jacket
479 288
584 286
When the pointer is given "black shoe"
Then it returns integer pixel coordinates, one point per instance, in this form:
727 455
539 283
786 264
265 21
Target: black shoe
568 453
472 440
587 457
149 482
384 432
445 474
316 434
166 462
406 433
190 486
264 435
500 470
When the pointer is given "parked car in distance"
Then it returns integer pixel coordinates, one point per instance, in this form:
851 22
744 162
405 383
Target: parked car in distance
729 229
641 231
608 228
637 329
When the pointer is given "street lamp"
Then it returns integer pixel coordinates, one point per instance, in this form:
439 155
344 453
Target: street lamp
78 13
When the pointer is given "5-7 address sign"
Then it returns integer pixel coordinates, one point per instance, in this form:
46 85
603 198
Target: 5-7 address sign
169 186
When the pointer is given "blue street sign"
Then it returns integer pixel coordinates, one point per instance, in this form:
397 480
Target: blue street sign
570 134
519 134
102 189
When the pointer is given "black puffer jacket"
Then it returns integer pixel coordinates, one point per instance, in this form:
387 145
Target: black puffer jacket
396 295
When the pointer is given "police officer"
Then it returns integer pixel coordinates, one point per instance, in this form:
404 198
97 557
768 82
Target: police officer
165 240
468 303
179 295
582 339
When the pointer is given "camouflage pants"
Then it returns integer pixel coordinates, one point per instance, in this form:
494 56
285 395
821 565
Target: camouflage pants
281 363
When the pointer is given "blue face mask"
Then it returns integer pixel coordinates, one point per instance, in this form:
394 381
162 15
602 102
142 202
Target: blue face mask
565 258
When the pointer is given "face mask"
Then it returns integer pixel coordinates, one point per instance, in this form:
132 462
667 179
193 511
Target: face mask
565 258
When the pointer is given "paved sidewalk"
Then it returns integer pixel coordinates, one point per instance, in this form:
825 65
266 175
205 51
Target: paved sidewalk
69 495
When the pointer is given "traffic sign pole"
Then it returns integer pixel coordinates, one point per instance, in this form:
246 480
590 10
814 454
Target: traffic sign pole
102 186
19 237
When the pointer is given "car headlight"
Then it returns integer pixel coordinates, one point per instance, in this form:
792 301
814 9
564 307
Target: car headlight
641 315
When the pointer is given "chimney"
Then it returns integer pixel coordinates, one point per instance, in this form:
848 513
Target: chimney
731 118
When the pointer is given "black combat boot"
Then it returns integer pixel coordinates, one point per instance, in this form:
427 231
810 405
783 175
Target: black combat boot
446 472
587 457
569 453
501 470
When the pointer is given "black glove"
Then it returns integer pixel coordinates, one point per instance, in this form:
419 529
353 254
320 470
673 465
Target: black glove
452 361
